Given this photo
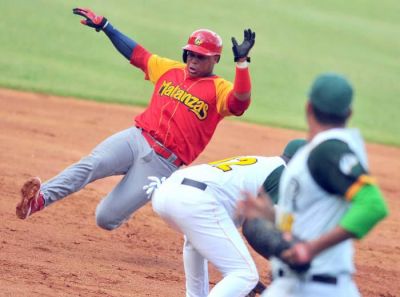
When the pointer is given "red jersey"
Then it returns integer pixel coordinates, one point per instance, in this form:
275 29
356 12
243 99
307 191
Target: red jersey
183 112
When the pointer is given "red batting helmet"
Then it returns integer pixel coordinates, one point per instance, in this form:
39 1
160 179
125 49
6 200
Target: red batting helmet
204 42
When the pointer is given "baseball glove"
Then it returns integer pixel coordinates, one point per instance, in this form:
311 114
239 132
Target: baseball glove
267 240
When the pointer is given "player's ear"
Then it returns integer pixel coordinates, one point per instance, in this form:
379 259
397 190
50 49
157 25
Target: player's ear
216 59
184 56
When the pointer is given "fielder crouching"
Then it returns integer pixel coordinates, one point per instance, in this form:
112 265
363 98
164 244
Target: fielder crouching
200 202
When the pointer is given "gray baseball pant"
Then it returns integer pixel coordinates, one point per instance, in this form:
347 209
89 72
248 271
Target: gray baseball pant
124 153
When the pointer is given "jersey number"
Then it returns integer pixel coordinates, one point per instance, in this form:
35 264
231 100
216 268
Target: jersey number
225 165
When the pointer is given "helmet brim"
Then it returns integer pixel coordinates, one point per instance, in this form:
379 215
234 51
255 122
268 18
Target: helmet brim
200 50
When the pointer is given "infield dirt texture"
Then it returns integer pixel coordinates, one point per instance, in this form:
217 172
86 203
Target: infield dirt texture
61 252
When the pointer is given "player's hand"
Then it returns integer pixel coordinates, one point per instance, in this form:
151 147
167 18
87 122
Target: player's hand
91 19
154 184
299 253
255 207
241 51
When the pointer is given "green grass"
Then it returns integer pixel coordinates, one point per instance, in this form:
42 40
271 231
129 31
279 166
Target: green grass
43 48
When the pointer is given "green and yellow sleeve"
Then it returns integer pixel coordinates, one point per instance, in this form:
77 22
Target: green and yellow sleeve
367 208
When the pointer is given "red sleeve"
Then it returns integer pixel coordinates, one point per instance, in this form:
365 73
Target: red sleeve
242 82
140 57
236 106
242 85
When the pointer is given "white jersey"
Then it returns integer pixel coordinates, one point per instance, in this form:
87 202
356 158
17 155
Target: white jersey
228 178
308 211
200 202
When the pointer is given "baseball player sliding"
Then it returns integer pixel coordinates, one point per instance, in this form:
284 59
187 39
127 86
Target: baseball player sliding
200 202
187 104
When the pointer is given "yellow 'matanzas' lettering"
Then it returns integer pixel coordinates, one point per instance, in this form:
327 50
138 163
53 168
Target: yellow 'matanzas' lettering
196 105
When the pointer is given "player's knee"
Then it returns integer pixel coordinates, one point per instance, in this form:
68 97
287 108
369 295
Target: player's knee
251 274
249 277
253 277
252 280
105 221
106 224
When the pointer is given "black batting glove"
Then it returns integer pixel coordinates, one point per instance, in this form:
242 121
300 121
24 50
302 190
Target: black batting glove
242 50
91 19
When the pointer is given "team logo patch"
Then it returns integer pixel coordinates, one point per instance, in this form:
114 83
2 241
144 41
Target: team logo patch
347 163
198 41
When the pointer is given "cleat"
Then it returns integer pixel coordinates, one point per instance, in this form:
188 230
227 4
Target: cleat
32 199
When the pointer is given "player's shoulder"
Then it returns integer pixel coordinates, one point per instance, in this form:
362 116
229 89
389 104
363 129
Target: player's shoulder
333 165
271 183
329 153
159 60
328 148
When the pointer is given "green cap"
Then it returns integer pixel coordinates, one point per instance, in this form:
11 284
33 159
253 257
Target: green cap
332 94
293 146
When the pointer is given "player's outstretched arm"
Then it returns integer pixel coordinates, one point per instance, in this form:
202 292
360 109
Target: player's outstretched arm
239 100
303 252
122 43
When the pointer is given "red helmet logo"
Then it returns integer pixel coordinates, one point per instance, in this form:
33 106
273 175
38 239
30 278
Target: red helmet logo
204 42
198 41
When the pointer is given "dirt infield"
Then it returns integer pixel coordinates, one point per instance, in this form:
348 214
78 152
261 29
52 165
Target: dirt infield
61 251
